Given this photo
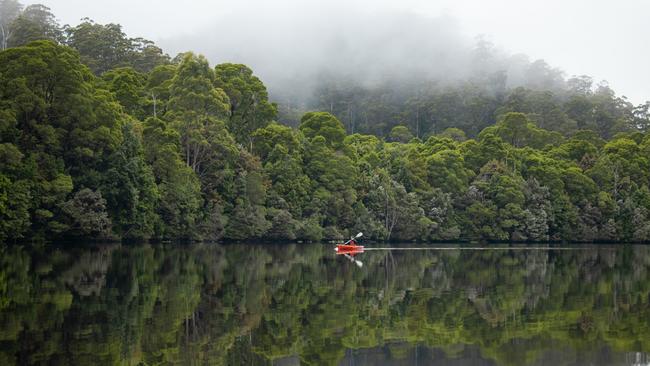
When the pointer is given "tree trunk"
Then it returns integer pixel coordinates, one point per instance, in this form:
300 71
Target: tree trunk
3 41
153 96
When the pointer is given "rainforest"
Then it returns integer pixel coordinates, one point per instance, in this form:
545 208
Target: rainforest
106 137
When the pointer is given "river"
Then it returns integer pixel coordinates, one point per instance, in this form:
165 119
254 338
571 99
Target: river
291 304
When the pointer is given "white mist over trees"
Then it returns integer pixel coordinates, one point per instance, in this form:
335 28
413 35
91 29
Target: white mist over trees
377 70
295 54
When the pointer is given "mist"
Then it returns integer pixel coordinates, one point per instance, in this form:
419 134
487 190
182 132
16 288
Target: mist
289 43
294 54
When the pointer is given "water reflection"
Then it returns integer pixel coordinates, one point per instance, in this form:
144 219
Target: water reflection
300 304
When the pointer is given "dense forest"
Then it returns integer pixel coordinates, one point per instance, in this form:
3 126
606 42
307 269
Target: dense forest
106 136
262 304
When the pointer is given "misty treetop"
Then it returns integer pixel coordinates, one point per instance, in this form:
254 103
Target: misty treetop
101 47
105 136
428 107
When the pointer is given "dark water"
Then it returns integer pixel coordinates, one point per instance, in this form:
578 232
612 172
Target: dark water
300 304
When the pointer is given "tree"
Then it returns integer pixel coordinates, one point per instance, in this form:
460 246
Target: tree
35 23
542 107
105 46
247 219
384 201
581 151
184 151
197 110
9 10
158 88
454 133
146 56
281 153
397 210
130 190
439 209
266 139
283 226
641 117
180 190
447 171
14 208
332 176
313 124
538 211
517 130
250 108
128 87
87 212
400 134
102 47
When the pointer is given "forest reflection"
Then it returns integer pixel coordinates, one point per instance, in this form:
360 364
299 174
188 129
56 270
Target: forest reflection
300 304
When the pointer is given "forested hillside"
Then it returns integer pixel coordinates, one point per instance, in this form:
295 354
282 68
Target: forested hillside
106 136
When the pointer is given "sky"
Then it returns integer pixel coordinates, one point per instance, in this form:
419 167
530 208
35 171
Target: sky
607 40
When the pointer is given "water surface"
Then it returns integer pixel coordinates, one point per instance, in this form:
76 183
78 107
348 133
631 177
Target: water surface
301 304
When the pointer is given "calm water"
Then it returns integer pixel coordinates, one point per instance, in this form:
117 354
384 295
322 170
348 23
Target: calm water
300 304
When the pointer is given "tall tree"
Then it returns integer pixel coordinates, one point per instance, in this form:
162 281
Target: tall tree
157 88
105 46
130 190
180 190
145 55
9 10
36 22
102 47
197 110
128 85
250 108
314 124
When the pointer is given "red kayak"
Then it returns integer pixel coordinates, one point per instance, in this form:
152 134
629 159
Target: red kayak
348 249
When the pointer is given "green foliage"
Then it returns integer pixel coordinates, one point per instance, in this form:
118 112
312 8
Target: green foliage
313 124
249 105
104 47
310 230
158 87
542 107
179 187
197 110
400 134
282 225
266 139
429 107
35 22
128 87
58 129
87 212
14 208
9 10
246 221
517 130
454 133
130 190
